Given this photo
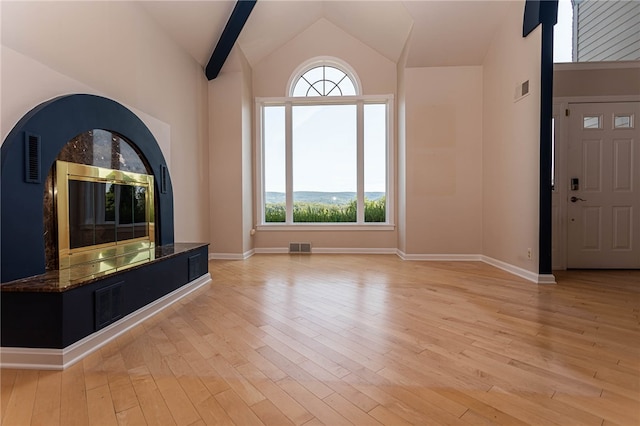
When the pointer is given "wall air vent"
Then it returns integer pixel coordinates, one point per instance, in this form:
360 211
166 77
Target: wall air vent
163 179
300 248
522 90
31 158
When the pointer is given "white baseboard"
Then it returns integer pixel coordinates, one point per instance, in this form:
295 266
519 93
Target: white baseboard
59 359
440 257
272 250
328 250
515 270
350 250
523 273
232 256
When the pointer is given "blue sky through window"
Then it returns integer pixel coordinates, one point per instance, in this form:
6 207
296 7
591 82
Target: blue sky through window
563 33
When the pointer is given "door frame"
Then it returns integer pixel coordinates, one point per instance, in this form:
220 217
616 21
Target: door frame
560 104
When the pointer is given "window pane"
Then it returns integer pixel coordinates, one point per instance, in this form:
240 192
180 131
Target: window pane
333 74
300 88
332 89
314 74
317 89
324 163
375 175
274 164
347 87
623 121
591 122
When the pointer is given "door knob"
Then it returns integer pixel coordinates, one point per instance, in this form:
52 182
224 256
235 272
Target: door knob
574 199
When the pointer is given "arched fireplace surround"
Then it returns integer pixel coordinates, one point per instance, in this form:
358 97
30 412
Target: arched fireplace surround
52 125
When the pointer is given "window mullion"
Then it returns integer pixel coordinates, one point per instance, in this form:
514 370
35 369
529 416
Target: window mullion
288 162
360 161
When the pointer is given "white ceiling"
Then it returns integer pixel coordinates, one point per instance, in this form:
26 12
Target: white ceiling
438 33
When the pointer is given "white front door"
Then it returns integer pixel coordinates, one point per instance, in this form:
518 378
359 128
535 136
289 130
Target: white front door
604 186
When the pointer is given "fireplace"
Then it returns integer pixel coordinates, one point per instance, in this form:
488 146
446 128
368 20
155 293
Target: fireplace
87 231
104 219
84 130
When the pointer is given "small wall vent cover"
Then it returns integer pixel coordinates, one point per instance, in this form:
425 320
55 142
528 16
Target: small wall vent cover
31 158
163 179
522 90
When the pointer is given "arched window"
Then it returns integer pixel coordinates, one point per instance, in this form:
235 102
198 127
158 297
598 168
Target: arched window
324 76
325 154
324 80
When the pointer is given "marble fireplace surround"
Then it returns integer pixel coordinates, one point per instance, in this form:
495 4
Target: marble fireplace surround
49 323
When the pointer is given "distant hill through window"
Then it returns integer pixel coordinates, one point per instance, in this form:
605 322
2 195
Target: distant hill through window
337 198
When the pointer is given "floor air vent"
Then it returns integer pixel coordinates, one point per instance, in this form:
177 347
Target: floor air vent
299 247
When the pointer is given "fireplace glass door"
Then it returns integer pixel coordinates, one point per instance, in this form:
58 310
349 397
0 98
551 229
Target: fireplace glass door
102 213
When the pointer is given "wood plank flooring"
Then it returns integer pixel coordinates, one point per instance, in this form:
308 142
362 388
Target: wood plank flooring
363 340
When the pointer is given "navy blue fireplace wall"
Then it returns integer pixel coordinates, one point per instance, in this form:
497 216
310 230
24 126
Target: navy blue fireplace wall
30 150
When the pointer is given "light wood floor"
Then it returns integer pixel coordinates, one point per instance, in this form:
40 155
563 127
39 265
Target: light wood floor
365 340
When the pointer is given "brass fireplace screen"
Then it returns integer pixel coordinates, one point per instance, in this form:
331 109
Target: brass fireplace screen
105 218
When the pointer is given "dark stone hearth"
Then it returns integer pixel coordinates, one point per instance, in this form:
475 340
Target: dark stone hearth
51 282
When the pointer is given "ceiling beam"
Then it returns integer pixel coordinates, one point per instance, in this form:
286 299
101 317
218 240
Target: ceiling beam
538 12
230 34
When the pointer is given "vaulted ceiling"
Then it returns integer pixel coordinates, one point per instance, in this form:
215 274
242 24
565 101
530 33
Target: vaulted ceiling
437 33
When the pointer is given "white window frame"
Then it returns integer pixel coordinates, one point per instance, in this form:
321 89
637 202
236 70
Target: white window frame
288 102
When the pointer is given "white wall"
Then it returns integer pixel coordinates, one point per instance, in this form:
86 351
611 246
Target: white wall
226 162
271 75
231 158
48 83
511 139
116 50
443 167
596 79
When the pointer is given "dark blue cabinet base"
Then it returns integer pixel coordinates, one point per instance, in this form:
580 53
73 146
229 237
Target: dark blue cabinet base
36 314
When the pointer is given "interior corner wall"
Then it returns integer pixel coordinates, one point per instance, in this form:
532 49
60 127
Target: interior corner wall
401 154
56 48
226 160
511 138
443 174
247 156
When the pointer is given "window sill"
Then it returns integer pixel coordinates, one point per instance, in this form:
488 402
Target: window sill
326 227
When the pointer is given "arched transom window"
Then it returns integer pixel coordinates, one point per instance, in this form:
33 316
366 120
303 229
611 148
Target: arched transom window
324 80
